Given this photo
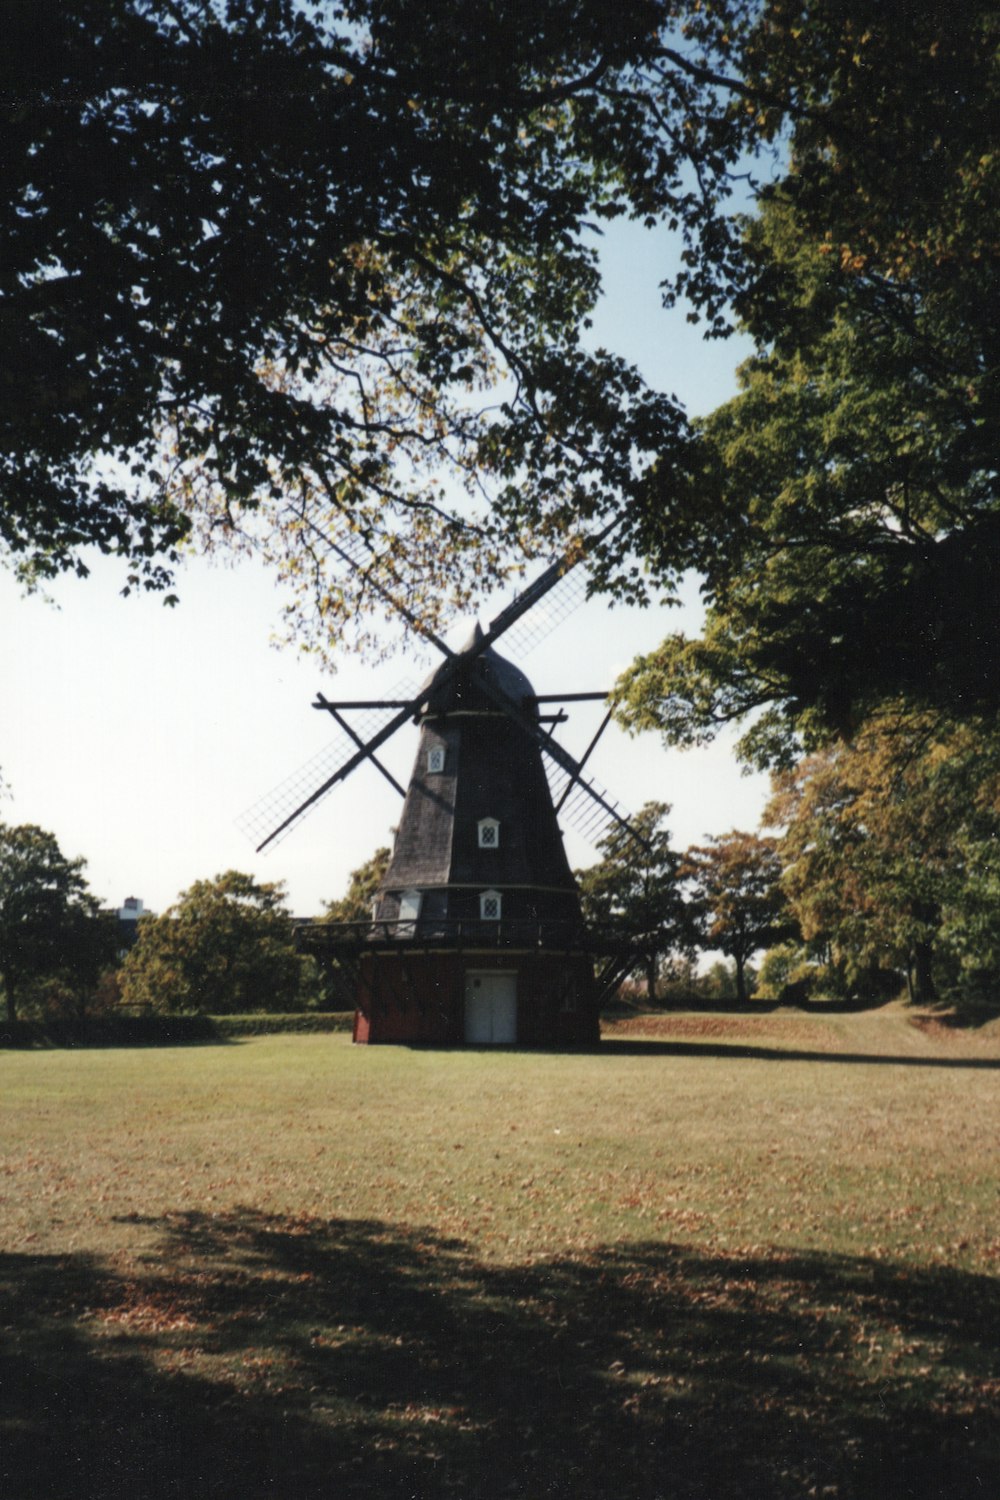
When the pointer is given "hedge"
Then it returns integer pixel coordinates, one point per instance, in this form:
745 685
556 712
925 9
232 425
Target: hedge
164 1031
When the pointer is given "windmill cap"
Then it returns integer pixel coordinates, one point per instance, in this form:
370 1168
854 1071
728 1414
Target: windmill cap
453 685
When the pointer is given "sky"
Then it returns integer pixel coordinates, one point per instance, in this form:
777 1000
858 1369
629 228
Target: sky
139 734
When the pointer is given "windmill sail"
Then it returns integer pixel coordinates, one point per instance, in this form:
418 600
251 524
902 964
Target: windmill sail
562 588
277 807
585 805
285 805
565 596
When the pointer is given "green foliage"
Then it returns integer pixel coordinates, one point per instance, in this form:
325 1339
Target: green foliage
299 1023
356 904
225 946
49 926
720 982
114 1029
797 973
844 508
340 983
429 185
417 377
785 973
633 893
889 853
736 898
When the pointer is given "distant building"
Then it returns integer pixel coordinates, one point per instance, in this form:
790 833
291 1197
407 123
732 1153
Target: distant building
128 915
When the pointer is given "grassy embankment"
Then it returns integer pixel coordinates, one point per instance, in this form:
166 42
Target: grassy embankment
736 1256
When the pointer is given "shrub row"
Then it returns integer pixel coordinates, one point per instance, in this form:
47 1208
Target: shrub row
261 1024
163 1031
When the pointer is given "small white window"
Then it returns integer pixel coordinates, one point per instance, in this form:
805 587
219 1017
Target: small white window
489 906
435 759
489 833
409 911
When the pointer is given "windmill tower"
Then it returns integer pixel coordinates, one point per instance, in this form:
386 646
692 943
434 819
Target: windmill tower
476 935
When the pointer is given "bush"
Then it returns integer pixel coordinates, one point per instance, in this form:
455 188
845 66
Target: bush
164 1030
226 945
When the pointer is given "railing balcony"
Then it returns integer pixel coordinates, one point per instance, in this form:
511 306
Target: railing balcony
573 935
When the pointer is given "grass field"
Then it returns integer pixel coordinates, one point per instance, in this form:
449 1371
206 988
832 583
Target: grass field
727 1256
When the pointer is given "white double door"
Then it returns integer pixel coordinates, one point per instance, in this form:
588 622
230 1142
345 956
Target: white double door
490 1008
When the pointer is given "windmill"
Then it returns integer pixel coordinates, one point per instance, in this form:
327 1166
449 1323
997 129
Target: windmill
476 934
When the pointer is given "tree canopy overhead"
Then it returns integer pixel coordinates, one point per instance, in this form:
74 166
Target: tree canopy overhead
331 264
288 275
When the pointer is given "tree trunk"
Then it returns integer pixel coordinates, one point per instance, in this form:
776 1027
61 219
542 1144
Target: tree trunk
741 983
8 986
651 976
924 990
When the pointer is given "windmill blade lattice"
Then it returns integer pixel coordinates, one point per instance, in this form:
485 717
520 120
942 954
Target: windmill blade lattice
562 600
275 806
354 552
367 722
581 810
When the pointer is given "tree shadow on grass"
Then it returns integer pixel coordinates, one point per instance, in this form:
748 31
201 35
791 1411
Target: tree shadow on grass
646 1047
253 1356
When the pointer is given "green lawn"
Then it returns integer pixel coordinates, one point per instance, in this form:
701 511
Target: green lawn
725 1257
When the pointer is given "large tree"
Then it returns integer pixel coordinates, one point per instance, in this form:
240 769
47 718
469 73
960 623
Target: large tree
844 508
226 945
297 274
633 893
889 850
737 902
48 917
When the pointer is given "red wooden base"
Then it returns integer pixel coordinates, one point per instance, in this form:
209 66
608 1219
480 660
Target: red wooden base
425 997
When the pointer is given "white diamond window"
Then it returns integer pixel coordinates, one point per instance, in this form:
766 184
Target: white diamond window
489 906
435 759
489 833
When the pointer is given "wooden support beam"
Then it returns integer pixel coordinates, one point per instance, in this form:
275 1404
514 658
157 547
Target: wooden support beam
569 697
585 757
332 709
325 703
